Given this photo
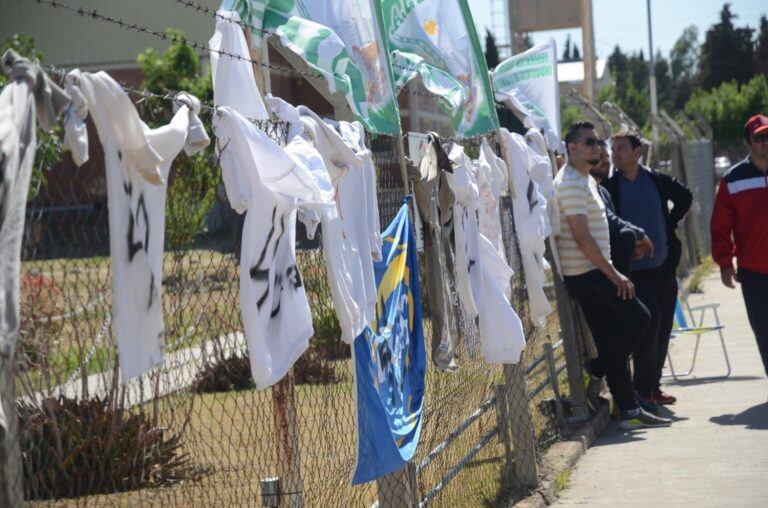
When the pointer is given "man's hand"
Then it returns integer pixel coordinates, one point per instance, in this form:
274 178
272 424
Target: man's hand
728 276
624 287
644 248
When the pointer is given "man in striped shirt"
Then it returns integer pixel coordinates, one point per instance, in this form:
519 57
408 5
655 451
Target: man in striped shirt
616 318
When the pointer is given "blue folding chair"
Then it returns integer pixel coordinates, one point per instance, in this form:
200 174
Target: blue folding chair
696 327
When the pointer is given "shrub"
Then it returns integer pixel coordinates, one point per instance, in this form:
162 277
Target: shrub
74 448
312 368
234 373
39 320
224 375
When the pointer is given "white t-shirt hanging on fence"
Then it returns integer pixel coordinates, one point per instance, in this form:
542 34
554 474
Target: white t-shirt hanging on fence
466 230
501 332
268 184
491 180
351 238
29 100
488 276
234 84
137 162
531 222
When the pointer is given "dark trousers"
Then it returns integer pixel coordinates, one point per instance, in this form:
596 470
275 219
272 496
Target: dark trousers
623 247
754 287
667 303
646 354
617 326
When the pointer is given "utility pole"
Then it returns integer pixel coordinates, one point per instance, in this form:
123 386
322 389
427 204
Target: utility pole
588 43
654 100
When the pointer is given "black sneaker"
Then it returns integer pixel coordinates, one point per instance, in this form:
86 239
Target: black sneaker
640 419
647 404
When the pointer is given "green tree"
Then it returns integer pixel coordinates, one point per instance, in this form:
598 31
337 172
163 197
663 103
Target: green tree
684 56
567 49
684 64
576 55
193 180
728 106
491 51
726 53
761 48
49 146
664 85
630 87
507 119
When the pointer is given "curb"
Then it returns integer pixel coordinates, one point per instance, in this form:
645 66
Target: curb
559 460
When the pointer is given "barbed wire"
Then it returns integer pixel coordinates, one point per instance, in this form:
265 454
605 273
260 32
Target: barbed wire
207 10
135 27
144 93
191 4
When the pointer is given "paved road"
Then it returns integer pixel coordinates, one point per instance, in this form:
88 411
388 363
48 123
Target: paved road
716 452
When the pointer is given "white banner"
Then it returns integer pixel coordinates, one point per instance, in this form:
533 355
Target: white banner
527 83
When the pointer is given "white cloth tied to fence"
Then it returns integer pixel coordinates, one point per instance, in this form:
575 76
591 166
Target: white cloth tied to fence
466 230
531 222
267 182
351 236
433 189
491 180
28 99
137 162
234 84
487 276
75 132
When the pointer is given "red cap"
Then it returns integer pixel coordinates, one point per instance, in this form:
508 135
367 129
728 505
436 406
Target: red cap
757 124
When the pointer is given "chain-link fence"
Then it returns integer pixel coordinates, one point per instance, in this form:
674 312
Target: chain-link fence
692 162
195 432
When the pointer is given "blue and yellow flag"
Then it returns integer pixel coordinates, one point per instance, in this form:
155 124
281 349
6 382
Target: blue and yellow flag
390 361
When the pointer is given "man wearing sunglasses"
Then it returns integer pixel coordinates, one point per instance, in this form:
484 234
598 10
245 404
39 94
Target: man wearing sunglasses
739 227
615 317
642 197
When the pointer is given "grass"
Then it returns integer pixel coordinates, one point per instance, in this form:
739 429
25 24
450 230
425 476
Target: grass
701 271
562 480
232 435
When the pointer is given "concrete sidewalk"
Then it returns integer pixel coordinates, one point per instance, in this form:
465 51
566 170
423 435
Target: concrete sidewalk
715 454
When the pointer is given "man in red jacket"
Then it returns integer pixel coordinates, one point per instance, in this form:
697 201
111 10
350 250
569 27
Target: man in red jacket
739 227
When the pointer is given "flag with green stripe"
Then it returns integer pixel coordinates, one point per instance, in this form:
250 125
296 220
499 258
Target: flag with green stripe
437 40
342 41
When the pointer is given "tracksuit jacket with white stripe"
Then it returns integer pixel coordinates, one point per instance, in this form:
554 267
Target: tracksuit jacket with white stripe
739 225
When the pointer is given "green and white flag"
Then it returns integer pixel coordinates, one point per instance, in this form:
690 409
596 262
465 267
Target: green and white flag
437 40
527 82
340 40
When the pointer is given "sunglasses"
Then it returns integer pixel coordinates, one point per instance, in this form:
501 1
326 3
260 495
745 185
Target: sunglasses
760 138
591 142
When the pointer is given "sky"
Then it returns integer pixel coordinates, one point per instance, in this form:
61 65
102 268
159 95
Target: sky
624 22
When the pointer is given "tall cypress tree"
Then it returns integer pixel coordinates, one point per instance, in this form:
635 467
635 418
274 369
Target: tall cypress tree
726 53
761 48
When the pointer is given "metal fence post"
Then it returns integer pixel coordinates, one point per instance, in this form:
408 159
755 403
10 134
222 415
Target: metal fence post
573 357
11 491
523 439
287 429
549 355
505 433
398 489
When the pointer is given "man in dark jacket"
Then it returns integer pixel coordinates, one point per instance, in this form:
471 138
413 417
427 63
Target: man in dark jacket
627 240
740 227
641 196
